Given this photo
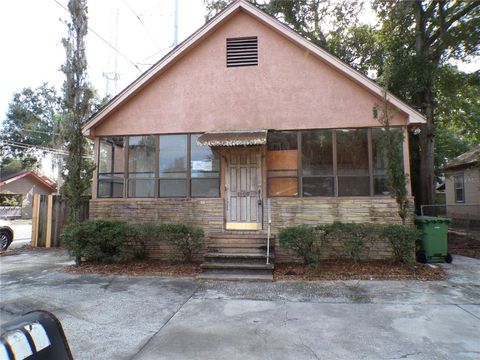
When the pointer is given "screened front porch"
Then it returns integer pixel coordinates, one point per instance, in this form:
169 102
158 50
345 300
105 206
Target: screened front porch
304 163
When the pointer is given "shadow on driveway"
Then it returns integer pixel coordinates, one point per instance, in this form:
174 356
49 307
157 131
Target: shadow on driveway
146 317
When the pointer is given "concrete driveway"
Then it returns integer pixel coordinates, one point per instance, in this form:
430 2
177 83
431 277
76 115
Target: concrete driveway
119 317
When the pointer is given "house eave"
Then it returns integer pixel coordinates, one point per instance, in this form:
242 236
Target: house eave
414 117
38 178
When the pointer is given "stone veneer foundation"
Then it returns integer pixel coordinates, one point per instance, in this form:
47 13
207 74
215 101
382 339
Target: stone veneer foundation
209 214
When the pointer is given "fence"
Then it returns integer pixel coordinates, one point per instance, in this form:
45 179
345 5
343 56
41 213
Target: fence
10 212
466 216
49 216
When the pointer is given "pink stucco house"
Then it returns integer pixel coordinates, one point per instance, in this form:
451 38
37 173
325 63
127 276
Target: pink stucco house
244 128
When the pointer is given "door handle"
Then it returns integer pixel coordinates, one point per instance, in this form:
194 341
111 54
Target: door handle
259 197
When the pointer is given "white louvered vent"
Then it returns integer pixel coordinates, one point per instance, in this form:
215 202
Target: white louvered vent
242 51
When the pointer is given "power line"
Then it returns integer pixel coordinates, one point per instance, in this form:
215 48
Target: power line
34 147
105 41
38 131
141 22
39 148
157 52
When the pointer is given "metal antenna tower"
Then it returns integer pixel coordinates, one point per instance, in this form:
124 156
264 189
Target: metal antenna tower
175 25
113 76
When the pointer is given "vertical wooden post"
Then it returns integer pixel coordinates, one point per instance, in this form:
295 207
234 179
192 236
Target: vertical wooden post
96 151
48 237
35 208
334 159
406 160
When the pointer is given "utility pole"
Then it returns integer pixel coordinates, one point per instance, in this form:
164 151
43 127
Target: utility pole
113 76
175 25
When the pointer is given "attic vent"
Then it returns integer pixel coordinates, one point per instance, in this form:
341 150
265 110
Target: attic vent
242 51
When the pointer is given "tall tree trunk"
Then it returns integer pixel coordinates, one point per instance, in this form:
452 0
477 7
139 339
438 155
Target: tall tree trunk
424 100
427 152
77 96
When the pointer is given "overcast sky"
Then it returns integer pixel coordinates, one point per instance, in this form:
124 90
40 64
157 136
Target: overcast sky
32 53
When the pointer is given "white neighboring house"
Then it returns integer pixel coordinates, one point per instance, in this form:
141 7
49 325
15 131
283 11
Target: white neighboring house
462 182
26 184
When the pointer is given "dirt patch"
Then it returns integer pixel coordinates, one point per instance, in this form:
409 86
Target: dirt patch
328 270
17 250
465 243
137 268
369 270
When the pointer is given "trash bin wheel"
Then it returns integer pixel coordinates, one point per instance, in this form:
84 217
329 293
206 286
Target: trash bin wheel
422 257
448 258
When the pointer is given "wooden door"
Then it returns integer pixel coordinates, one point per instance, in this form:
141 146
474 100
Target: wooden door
243 189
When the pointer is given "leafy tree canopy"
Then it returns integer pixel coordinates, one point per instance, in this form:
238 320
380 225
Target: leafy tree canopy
314 19
32 122
420 38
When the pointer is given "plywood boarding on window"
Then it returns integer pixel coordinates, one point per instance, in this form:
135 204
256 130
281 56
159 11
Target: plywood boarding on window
282 159
283 187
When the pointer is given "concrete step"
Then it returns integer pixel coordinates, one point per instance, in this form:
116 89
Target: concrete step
242 266
235 277
239 238
229 235
237 257
247 263
238 248
254 242
244 246
234 250
236 271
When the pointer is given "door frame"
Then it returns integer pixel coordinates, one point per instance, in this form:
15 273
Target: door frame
252 226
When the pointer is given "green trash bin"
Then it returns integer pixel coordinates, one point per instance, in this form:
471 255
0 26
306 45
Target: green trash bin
433 247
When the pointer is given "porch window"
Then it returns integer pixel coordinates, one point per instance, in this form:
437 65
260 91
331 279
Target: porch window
352 162
111 164
204 170
459 184
173 166
317 163
330 162
141 166
282 162
379 161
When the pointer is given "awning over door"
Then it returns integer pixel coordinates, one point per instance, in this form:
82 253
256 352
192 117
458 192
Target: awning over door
233 137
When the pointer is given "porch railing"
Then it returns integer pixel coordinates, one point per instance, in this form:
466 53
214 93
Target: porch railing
465 216
269 216
10 212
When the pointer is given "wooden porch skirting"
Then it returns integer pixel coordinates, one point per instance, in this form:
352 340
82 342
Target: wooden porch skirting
209 214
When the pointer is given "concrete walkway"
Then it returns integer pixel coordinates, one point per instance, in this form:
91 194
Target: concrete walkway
120 317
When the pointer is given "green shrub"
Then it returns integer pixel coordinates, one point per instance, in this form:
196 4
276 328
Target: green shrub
403 240
103 241
305 241
186 240
354 236
9 202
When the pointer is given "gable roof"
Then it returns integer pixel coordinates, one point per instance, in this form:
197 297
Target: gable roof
43 180
414 117
467 159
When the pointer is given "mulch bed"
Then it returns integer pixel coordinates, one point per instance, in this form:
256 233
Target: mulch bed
328 270
464 243
137 268
368 270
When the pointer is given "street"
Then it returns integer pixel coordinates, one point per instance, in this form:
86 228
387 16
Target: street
149 317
